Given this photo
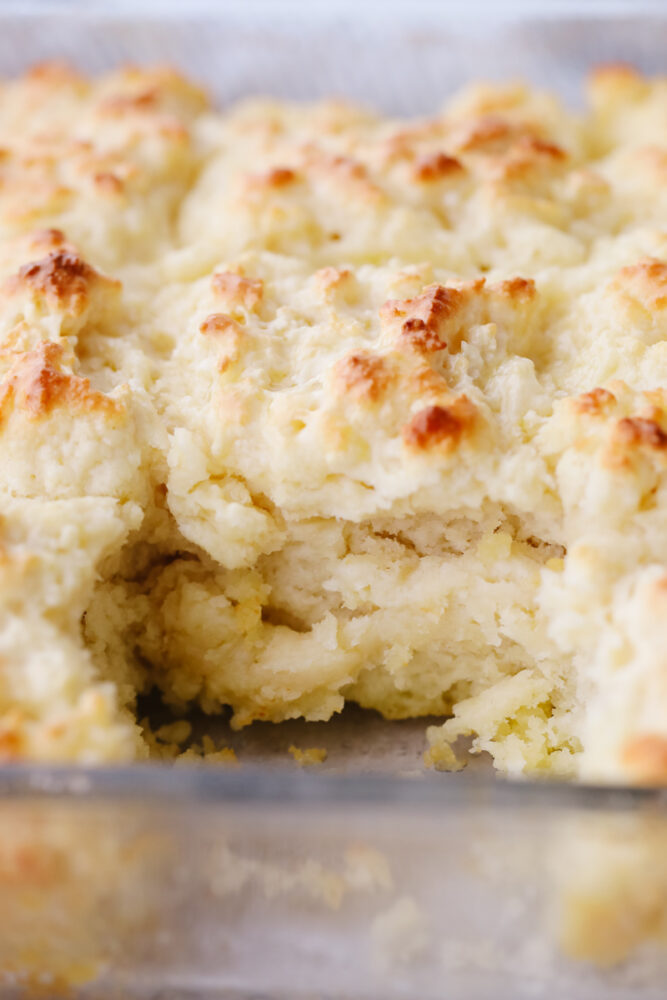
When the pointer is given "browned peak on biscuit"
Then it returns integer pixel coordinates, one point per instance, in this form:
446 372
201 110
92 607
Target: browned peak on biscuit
218 323
363 376
423 319
12 734
597 402
433 167
406 141
516 290
626 430
62 279
440 427
228 333
347 172
273 179
36 385
109 183
121 104
106 160
46 240
235 291
437 318
644 282
494 136
640 432
144 91
331 280
54 73
526 158
610 83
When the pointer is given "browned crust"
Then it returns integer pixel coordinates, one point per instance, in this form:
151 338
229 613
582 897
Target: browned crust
525 157
434 320
484 133
226 331
62 278
515 289
36 386
364 377
121 104
329 279
436 167
439 426
237 291
47 239
424 381
339 166
343 170
419 336
274 179
645 281
615 79
594 403
108 183
172 129
534 146
636 432
218 323
646 759
424 316
12 733
54 72
402 144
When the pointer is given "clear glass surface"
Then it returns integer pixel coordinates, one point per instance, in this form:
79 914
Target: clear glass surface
245 882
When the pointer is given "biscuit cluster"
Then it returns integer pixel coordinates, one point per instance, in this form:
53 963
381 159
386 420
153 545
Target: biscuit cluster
300 405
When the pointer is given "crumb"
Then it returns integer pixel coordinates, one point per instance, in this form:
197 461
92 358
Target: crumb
308 756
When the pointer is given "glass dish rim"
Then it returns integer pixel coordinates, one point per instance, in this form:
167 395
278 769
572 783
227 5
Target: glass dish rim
273 14
247 785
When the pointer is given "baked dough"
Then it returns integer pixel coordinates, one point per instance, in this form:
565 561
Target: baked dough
300 405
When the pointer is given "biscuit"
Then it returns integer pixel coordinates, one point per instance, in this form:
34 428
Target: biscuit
300 405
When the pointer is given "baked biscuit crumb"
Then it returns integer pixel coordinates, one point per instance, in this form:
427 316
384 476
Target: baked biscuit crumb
308 756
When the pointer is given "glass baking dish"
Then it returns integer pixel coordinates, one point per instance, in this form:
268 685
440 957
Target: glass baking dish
365 878
273 883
